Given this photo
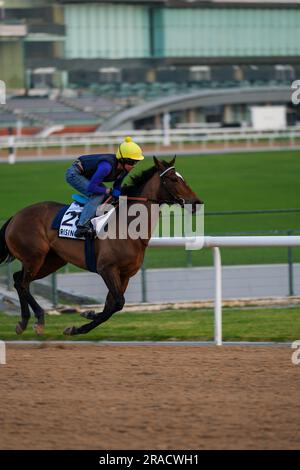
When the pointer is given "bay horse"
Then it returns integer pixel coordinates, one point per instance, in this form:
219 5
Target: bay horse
28 236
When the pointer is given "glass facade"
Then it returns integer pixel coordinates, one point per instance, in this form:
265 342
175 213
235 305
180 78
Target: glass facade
128 31
106 31
227 32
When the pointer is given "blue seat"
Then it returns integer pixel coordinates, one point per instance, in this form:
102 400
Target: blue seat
80 198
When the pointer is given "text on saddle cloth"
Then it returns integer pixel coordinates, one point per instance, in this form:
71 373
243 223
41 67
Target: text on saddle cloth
69 221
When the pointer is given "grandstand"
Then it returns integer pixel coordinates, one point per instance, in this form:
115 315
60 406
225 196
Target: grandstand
78 64
80 114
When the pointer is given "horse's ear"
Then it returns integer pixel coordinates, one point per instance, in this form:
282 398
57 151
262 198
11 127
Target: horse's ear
158 164
173 161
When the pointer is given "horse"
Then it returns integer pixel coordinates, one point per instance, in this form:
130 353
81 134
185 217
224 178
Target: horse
28 237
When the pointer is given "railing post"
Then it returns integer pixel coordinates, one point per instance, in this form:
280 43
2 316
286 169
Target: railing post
11 150
218 296
54 289
144 284
2 353
291 267
166 129
189 259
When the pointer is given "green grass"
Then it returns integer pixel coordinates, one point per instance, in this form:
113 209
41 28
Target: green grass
280 324
246 181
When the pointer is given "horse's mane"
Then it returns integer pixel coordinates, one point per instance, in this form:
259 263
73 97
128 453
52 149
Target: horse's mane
138 181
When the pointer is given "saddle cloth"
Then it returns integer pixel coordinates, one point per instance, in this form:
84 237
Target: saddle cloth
65 223
68 224
68 220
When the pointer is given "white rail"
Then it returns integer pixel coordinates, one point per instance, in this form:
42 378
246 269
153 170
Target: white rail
222 136
222 242
2 353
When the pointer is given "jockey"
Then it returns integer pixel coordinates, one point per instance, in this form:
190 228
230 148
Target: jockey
88 173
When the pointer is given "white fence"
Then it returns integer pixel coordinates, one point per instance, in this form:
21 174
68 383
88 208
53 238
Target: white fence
159 138
215 243
221 242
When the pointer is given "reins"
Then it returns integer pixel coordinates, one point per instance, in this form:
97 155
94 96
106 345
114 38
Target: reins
175 199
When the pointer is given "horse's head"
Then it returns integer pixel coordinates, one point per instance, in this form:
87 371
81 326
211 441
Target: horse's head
173 187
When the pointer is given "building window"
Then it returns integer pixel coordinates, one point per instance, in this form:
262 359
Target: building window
199 73
110 75
284 72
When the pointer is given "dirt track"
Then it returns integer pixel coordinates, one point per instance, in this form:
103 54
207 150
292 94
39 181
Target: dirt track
146 397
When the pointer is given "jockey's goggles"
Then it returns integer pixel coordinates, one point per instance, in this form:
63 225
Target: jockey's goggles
129 161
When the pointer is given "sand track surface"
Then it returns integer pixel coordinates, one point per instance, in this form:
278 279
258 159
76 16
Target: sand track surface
149 397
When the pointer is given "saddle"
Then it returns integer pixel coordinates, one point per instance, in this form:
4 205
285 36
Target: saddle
80 199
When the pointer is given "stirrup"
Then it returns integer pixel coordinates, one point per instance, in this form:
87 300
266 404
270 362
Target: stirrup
86 231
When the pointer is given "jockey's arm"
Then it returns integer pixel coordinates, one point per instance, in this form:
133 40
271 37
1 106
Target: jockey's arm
117 184
96 185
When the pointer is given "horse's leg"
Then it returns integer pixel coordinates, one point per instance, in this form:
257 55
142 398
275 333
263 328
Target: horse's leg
38 313
52 263
114 301
46 266
25 312
22 281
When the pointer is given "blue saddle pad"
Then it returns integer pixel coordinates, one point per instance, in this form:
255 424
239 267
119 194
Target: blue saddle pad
89 245
58 217
80 199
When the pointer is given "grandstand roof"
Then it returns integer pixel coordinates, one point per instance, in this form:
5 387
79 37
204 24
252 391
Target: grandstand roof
249 95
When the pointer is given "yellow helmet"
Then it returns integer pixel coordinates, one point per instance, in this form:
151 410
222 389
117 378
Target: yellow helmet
129 149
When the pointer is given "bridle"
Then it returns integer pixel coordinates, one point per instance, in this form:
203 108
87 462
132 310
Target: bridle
174 199
181 200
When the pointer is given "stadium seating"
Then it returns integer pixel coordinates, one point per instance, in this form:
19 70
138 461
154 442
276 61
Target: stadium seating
102 100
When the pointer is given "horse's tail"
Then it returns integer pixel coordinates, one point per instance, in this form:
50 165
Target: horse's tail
5 255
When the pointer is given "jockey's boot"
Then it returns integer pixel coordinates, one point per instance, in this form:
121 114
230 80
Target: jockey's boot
86 230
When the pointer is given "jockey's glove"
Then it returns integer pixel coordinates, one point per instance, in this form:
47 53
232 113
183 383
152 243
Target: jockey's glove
116 192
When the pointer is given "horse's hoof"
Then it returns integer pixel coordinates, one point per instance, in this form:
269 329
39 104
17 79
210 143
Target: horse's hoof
39 329
70 330
89 314
19 328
